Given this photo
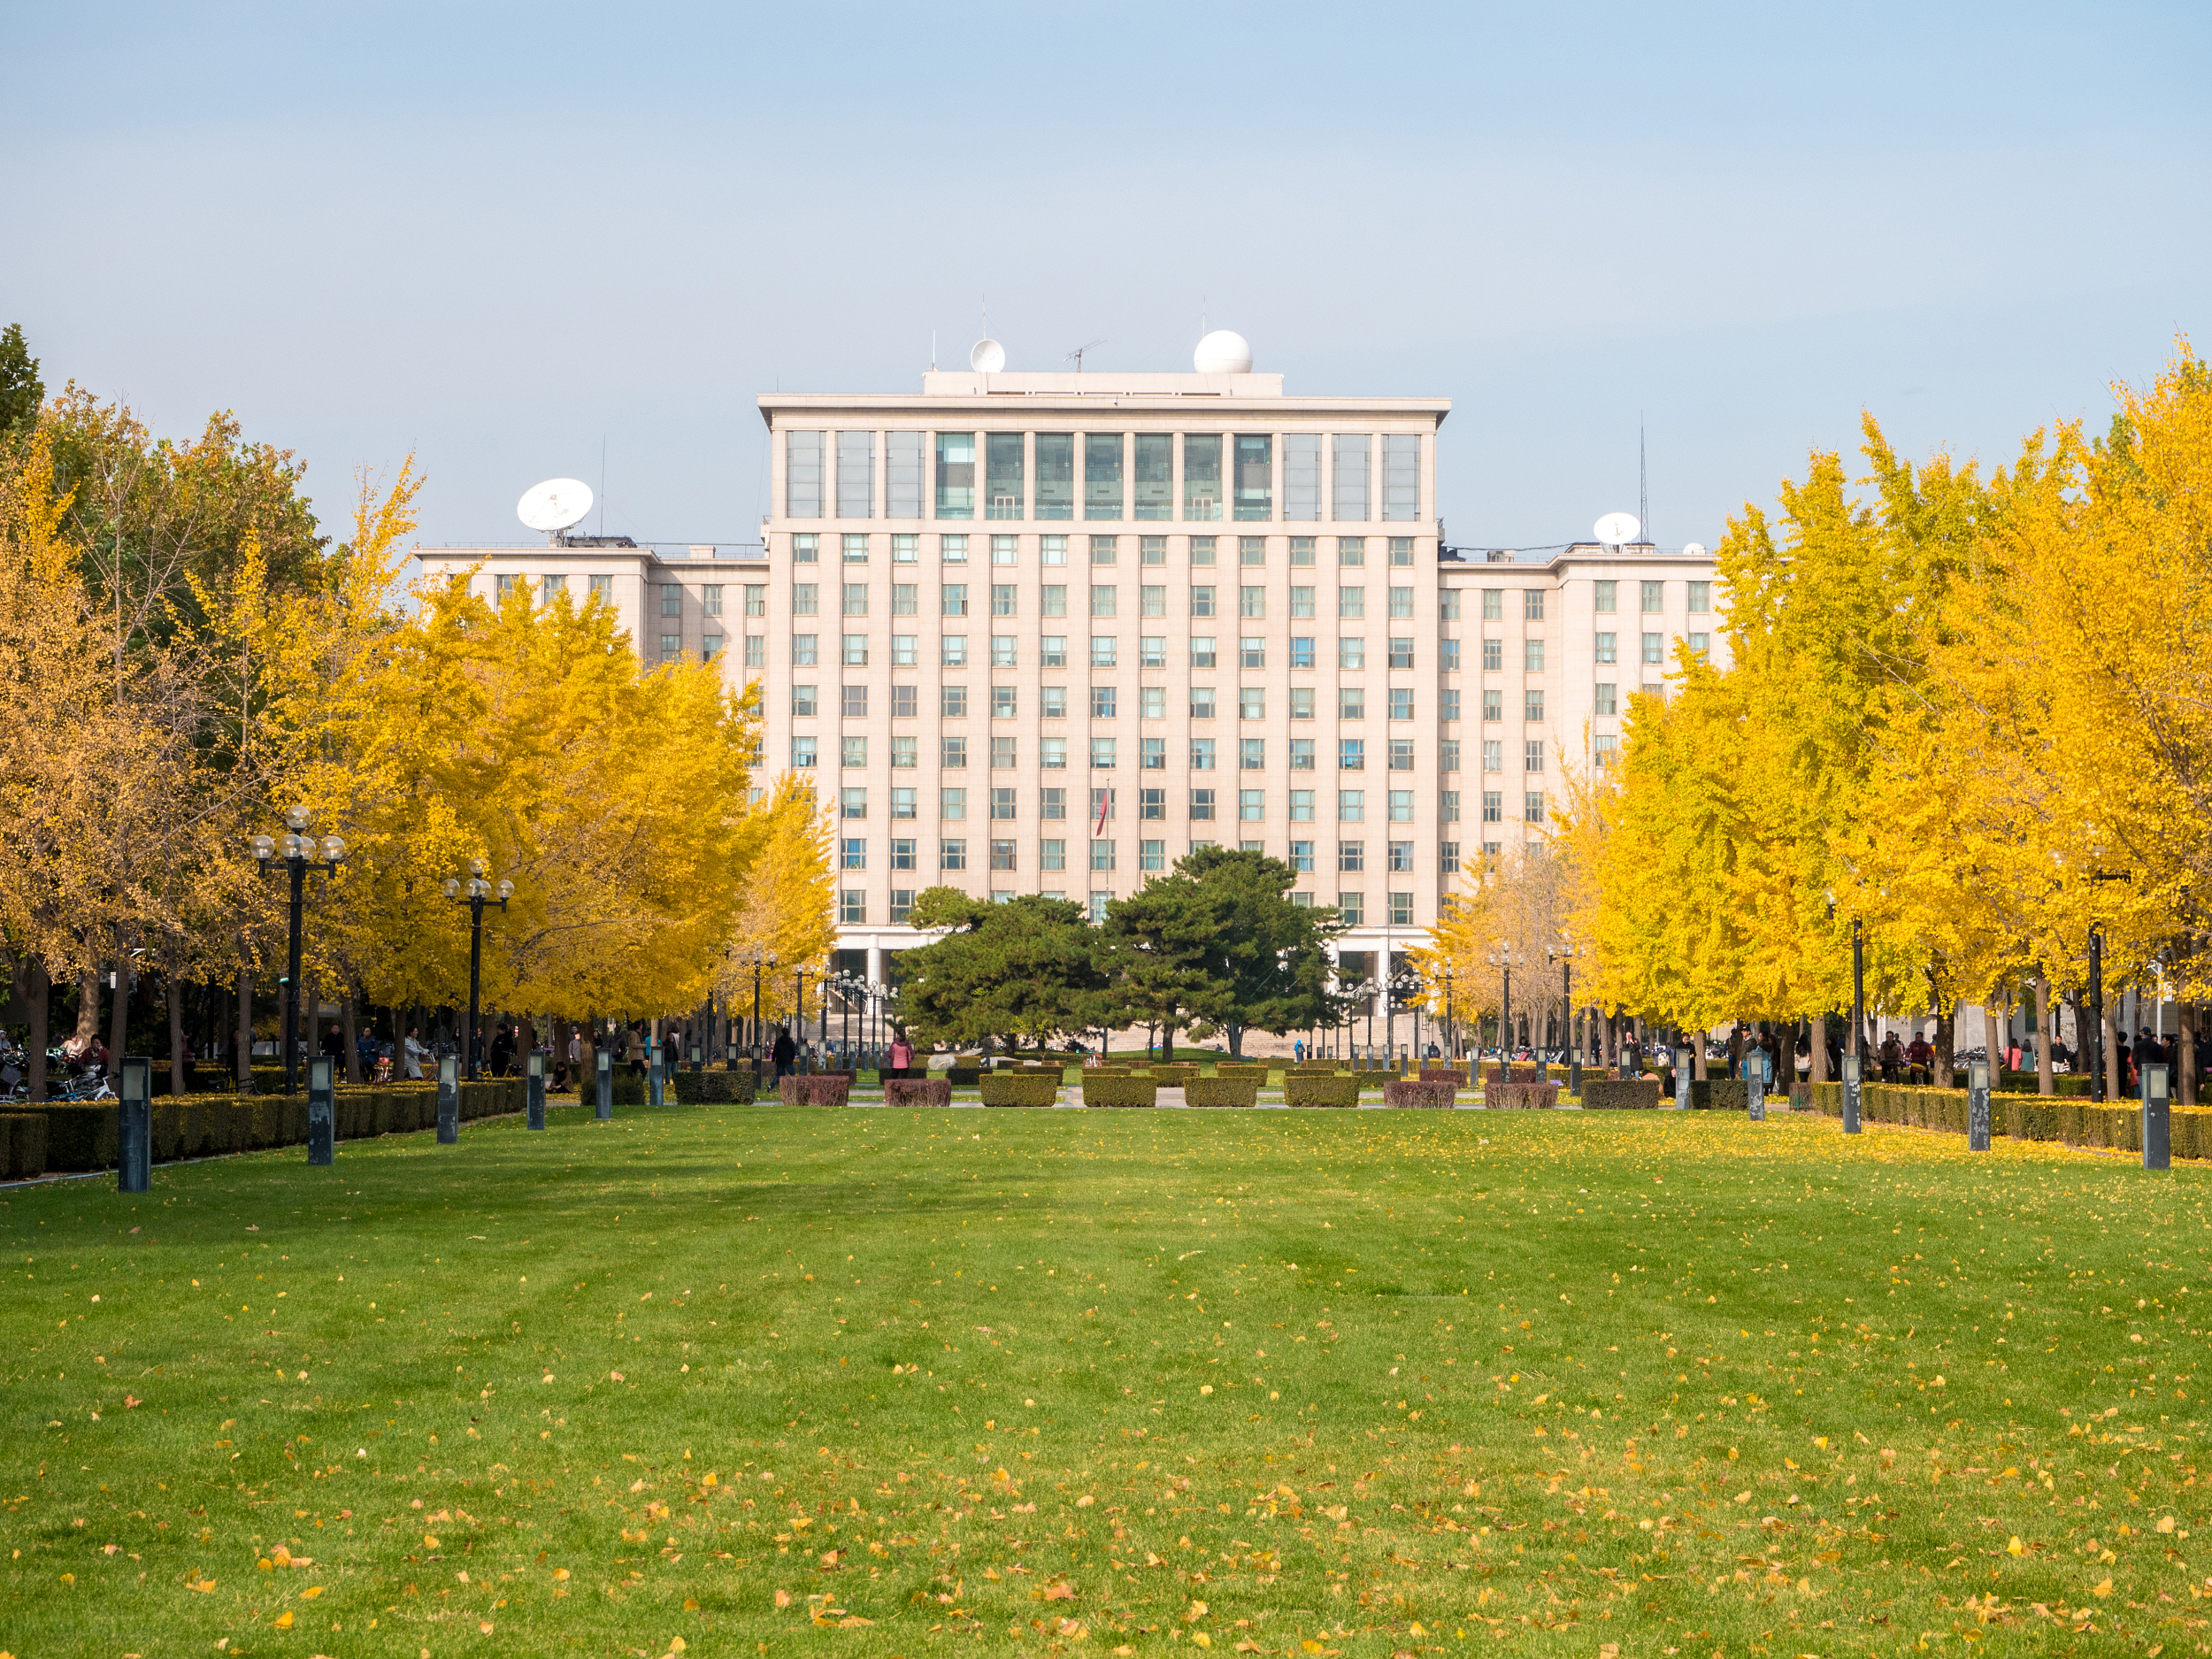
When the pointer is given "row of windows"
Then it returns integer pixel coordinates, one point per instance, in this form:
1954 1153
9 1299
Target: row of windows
1202 599
1113 475
1202 805
1106 703
854 650
852 903
1351 752
1351 551
1052 854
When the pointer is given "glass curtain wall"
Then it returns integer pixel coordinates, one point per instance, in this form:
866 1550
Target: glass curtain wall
1005 469
1103 497
856 475
1301 477
1055 475
903 474
1254 477
1349 503
803 474
956 475
1155 475
1201 475
1402 476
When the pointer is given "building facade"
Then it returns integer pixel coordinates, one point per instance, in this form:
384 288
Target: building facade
1049 632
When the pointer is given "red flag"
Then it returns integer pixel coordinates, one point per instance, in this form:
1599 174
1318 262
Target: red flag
1105 799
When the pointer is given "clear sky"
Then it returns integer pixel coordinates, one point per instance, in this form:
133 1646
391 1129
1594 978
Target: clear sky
500 237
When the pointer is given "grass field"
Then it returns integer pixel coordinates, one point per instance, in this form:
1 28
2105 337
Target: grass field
747 1381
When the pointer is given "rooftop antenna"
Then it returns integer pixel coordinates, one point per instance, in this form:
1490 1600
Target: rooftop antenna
1643 494
1616 530
1075 356
932 352
986 356
603 483
554 505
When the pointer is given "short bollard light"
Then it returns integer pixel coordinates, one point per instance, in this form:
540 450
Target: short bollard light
656 1063
1683 1058
449 1099
1978 1106
536 1075
698 1058
1754 1079
606 1083
322 1123
2158 1119
134 1127
1850 1093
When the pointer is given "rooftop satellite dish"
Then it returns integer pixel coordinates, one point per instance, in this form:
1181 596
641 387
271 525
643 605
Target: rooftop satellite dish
1223 352
554 504
988 356
1616 529
1693 550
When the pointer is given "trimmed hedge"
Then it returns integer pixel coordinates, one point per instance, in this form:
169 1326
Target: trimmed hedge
80 1135
1720 1094
1323 1089
963 1076
1119 1091
1521 1096
1014 1089
1617 1094
1409 1092
702 1088
1229 1090
22 1145
917 1091
835 1089
1453 1074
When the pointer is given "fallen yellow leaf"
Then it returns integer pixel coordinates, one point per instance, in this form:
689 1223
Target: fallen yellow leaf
311 1591
284 1619
2103 1588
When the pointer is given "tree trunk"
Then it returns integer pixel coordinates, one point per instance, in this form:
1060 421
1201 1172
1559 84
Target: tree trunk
353 1047
2045 1029
1946 1037
42 991
88 1005
2112 1090
1993 1039
2185 1049
1818 1027
176 1038
119 1014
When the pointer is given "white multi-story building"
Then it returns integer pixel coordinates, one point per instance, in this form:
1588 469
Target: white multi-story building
1049 632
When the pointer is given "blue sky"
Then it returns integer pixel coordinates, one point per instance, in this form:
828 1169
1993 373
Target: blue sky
501 236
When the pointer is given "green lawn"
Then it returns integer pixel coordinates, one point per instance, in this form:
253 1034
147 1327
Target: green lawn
746 1381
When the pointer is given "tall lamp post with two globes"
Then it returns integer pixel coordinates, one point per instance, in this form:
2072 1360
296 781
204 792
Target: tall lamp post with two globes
476 895
299 849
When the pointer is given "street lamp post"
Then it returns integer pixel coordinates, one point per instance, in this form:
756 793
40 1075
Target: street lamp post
300 849
476 895
2096 1014
1564 957
756 958
1501 959
798 1026
1858 994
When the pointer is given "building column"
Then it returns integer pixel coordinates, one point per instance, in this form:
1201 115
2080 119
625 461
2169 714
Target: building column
875 965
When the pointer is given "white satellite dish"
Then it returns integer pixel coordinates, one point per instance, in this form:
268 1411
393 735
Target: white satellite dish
988 356
1224 352
1616 529
554 504
1693 550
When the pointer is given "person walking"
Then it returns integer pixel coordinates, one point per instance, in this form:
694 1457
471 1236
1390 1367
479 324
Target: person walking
785 1052
902 1054
412 1054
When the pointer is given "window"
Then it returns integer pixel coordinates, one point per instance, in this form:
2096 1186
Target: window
1102 475
1152 650
1102 854
802 752
1701 644
852 905
1005 650
952 803
855 548
1447 755
952 754
903 474
1155 479
1151 601
1301 754
956 475
805 650
1252 652
1252 754
1654 648
554 586
1152 753
1201 805
1301 651
1152 549
852 803
806 549
856 599
1052 854
1053 599
1101 702
1447 858
1003 756
852 854
1447 806
1301 477
1351 856
1002 599
1492 655
1401 653
854 651
1402 550
804 703
953 550
1101 754
1532 705
1053 753
1493 755
1251 549
1348 497
1104 597
803 475
1302 603
672 597
1151 854
1202 754
906 549
1402 857
1002 855
1096 909
1302 806
1202 650
1701 598
602 589
1202 702
1252 704
1202 600
1351 703
952 650
1402 806
1654 598
1351 909
1202 549
953 703
953 599
1532 755
1402 909
1533 807
904 751
1101 805
1450 603
1401 604
952 855
903 805
1055 475
905 599
1531 605
1254 477
853 752
1152 703
1533 655
1402 479
1005 463
1351 806
1402 754
1492 806
1052 550
1052 804
1152 804
1201 476
1351 602
1351 653
1608 648
755 650
672 644
806 599
1448 703
1302 702
1605 749
905 651
1494 604
902 898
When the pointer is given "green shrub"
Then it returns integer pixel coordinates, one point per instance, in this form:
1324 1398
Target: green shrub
917 1091
80 1135
1119 1091
1411 1092
23 1145
1327 1088
1229 1089
816 1089
1724 1094
705 1088
1012 1090
1613 1094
